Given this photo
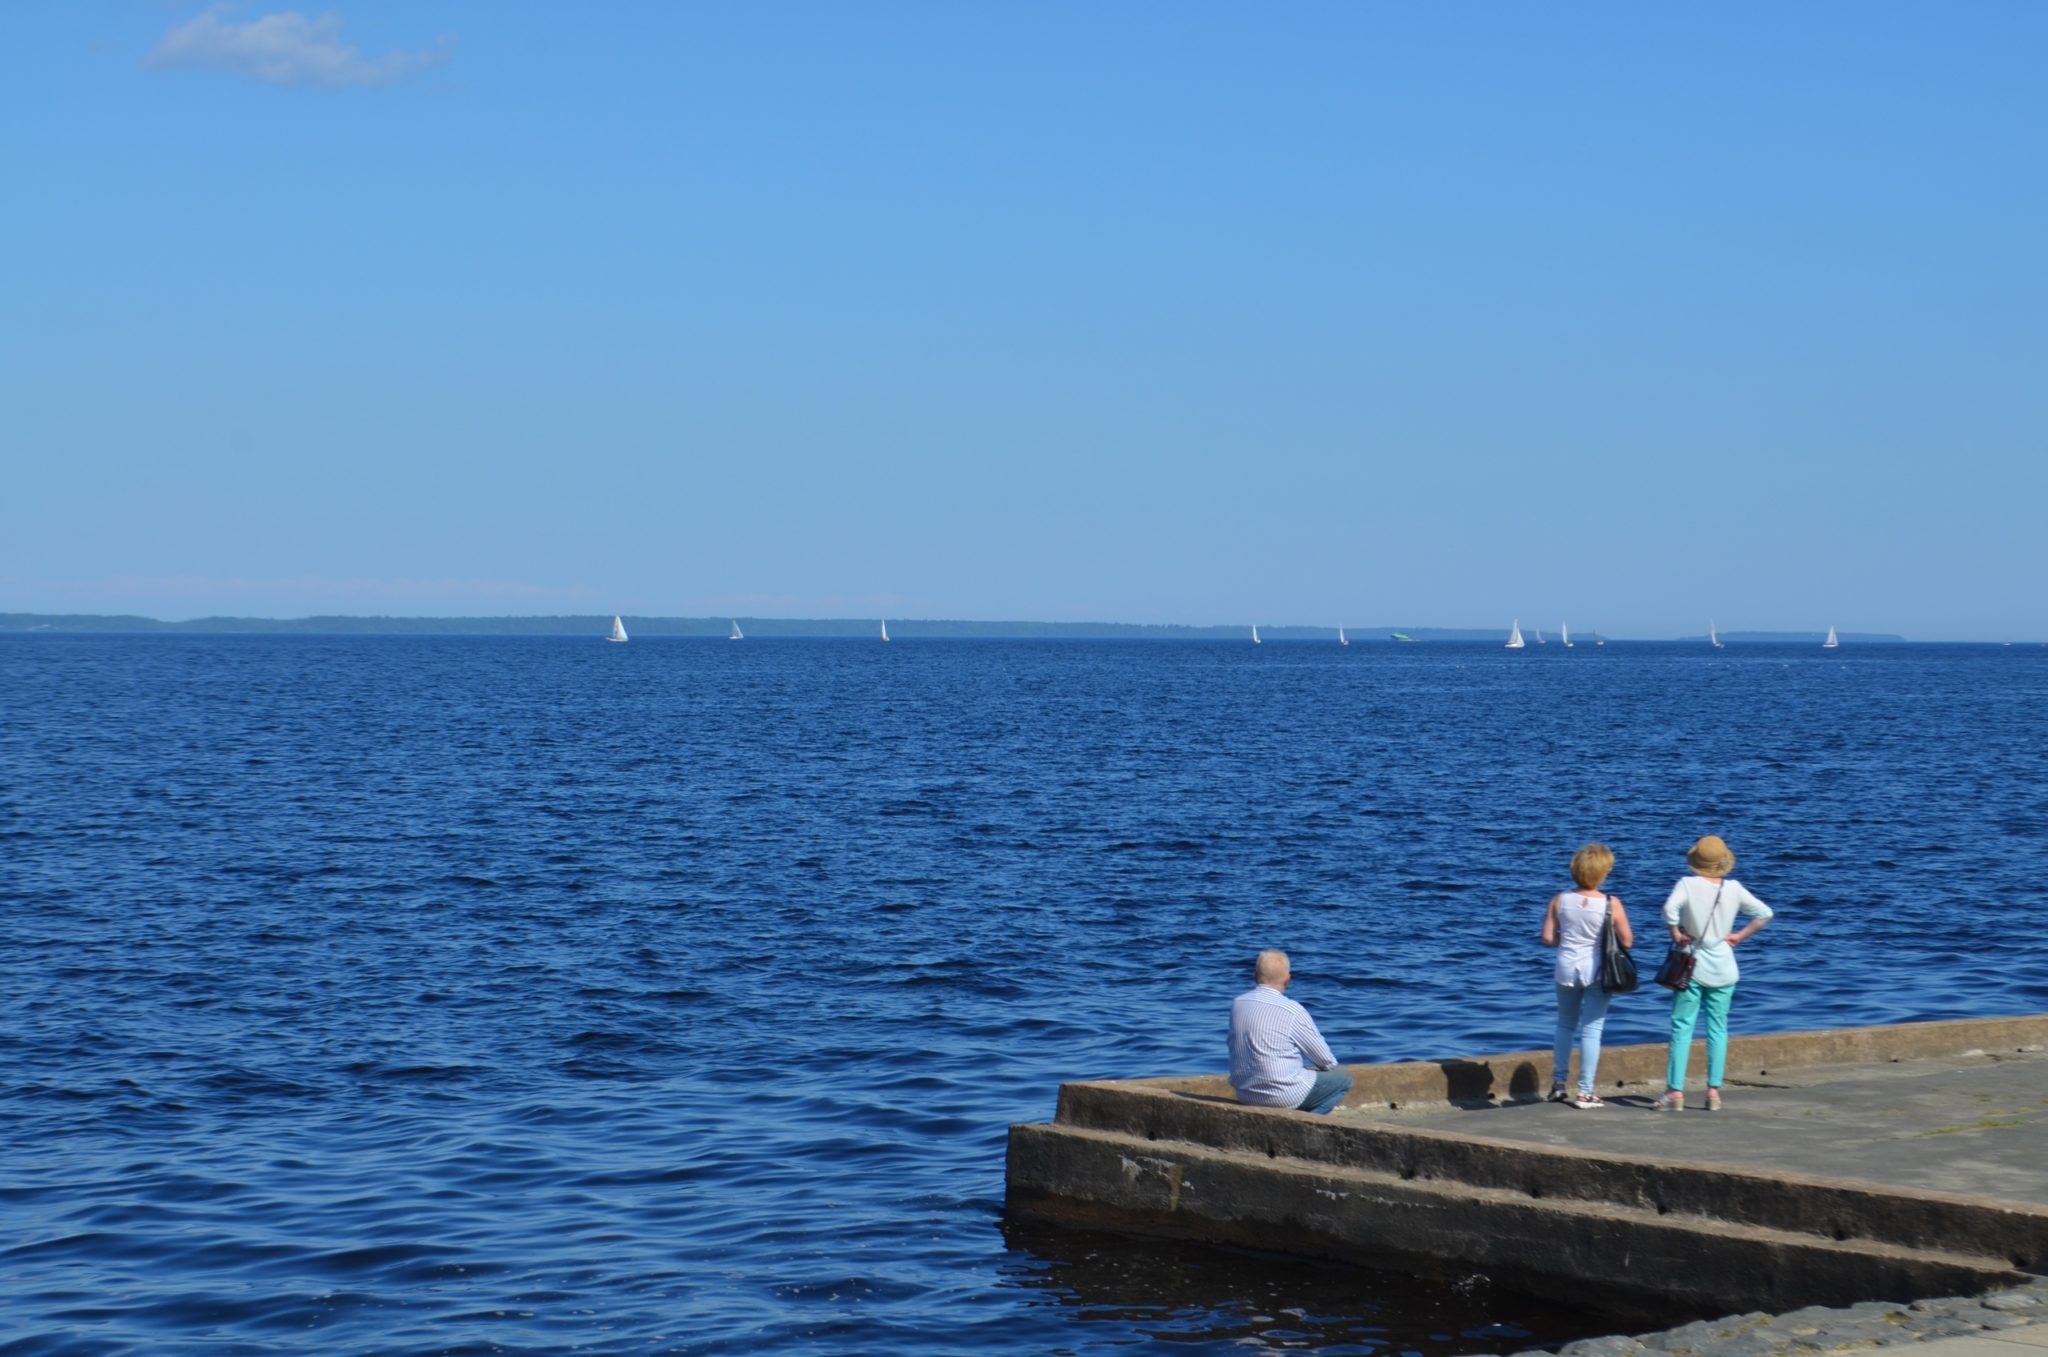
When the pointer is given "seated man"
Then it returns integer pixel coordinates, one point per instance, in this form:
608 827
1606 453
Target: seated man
1270 1038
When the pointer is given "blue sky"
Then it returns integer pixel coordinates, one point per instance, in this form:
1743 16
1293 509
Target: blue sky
1624 316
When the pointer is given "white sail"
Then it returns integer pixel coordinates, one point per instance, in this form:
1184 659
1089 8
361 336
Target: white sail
1340 637
1255 634
1515 641
1564 634
618 630
885 628
1713 636
1539 637
1831 643
737 634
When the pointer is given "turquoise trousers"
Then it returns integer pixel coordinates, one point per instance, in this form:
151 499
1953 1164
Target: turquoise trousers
1686 1007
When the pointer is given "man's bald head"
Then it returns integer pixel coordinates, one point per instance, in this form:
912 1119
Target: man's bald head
1271 968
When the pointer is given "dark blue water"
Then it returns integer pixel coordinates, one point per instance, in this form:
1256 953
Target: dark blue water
503 995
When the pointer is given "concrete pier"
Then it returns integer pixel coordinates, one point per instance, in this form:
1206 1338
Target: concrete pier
1858 1164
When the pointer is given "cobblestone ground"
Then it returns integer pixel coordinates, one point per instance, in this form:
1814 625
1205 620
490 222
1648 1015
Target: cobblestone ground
1817 1329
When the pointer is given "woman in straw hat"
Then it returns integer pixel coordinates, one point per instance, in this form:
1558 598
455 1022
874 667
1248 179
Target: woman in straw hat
1701 912
1572 924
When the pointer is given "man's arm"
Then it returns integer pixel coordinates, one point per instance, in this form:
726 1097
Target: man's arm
1312 1044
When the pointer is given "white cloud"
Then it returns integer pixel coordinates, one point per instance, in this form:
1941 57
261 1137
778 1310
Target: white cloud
289 48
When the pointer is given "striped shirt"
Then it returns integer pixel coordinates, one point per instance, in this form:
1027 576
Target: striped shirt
1270 1037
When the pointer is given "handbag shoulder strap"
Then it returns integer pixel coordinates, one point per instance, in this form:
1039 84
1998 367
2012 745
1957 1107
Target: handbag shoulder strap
1712 909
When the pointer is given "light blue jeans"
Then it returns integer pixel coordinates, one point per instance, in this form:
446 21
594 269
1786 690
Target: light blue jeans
1581 1014
1327 1091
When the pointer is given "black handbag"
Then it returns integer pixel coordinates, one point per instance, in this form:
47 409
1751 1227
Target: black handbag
1676 972
1617 967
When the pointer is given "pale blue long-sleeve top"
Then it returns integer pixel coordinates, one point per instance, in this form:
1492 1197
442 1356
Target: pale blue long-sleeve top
1691 907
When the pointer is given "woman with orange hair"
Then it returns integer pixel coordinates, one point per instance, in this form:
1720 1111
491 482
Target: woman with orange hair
1572 924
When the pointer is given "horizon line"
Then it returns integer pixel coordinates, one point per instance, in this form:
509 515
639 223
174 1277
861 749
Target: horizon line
567 623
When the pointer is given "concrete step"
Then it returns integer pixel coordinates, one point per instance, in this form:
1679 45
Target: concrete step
1303 1185
2005 1236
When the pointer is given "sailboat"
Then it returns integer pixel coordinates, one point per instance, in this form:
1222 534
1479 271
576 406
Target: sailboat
1515 641
1539 637
1713 636
885 628
1564 634
1831 643
1255 634
618 630
737 634
1403 636
1340 637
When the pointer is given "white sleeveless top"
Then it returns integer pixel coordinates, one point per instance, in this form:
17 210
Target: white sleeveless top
1578 937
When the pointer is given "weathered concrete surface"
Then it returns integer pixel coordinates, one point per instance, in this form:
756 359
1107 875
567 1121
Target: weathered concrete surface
2006 1323
1233 1197
1921 1172
1962 1124
1525 1075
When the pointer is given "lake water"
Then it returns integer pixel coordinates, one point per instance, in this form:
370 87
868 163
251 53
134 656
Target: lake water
467 995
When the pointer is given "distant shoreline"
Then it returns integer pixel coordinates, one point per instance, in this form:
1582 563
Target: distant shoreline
769 627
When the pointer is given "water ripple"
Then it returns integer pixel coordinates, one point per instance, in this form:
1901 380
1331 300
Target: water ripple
529 996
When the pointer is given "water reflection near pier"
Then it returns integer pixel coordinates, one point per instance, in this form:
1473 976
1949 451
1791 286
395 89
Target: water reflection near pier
1206 1298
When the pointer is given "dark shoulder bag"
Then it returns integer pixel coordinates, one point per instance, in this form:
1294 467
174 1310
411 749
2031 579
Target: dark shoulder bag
1617 967
1676 972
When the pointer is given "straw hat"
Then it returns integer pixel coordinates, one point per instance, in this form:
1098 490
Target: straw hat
1710 857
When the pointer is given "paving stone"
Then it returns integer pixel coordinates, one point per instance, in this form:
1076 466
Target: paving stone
1755 1343
1997 1319
1898 1336
1848 1336
1821 1329
1943 1326
1716 1335
1809 1320
1697 1336
1616 1345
